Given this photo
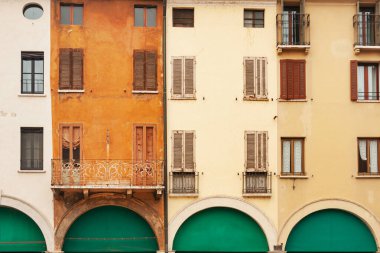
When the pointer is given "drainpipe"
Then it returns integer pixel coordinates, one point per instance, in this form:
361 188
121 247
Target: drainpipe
165 128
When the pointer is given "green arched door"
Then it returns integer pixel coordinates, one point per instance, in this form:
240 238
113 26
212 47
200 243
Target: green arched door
220 229
331 230
110 229
19 233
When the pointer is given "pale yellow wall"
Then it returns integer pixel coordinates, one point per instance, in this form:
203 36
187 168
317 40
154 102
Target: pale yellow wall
329 121
219 115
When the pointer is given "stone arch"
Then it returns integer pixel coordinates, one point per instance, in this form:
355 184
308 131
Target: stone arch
353 208
234 203
138 206
32 212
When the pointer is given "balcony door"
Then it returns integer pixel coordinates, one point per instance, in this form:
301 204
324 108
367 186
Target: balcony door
71 153
144 143
366 29
291 25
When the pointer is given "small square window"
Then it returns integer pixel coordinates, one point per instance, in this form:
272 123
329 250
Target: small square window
183 17
71 14
254 18
293 156
145 16
368 156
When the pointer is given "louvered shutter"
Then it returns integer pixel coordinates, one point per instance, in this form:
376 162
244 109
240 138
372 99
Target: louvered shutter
189 151
263 84
177 77
177 150
139 143
251 151
65 68
77 71
149 143
262 150
258 76
354 80
151 71
189 77
290 79
296 80
249 77
284 79
138 70
302 79
377 22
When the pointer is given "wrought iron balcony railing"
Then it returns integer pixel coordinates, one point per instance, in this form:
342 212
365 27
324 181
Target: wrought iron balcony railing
183 182
107 173
293 29
366 29
257 182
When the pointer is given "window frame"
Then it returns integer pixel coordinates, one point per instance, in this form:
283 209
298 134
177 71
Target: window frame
257 167
183 94
291 172
145 89
183 166
71 69
71 127
368 166
255 82
145 7
254 11
175 24
134 152
284 78
27 55
71 6
366 81
34 130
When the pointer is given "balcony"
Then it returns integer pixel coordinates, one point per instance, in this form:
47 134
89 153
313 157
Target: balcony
108 174
366 32
257 183
293 32
183 183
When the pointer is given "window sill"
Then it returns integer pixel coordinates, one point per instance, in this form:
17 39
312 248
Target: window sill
280 48
183 98
251 98
183 195
144 92
31 95
291 100
70 91
257 195
31 171
294 176
368 101
357 49
367 176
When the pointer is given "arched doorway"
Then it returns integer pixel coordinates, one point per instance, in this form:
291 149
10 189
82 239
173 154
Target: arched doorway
220 229
19 233
331 230
110 229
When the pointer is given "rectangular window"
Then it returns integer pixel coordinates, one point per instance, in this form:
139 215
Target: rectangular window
255 85
292 156
368 153
144 70
293 79
71 143
71 69
32 77
183 77
184 182
364 81
71 14
257 182
31 148
183 151
145 16
144 143
367 25
256 155
183 17
254 18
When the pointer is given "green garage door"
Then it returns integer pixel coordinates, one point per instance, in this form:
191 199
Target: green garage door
331 230
220 230
19 233
110 229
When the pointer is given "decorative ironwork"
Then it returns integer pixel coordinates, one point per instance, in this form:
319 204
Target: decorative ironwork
293 29
183 182
126 173
257 182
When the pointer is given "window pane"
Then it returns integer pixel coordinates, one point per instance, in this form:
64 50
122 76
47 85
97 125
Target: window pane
78 15
139 16
27 83
259 15
372 82
248 14
27 66
65 15
38 66
31 148
38 83
361 82
286 156
362 156
151 13
33 11
248 23
297 156
373 156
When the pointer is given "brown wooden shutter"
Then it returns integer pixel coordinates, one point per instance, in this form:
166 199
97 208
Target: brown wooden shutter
189 151
290 79
77 72
189 76
354 80
258 76
149 143
377 23
65 68
263 149
259 150
177 77
251 150
284 79
138 70
302 79
249 78
139 143
151 71
264 88
177 150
